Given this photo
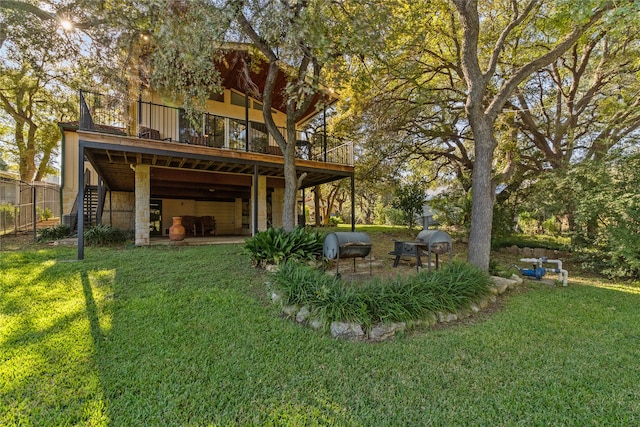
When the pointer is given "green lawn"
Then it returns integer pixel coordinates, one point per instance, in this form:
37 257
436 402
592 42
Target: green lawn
184 336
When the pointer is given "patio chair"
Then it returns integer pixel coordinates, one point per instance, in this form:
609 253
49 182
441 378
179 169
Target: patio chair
150 133
208 225
198 140
190 223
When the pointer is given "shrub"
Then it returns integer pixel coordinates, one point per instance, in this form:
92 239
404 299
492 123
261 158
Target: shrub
537 241
451 288
7 213
335 220
53 233
44 214
103 234
275 245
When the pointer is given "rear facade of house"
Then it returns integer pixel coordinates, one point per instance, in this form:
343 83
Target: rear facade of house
137 164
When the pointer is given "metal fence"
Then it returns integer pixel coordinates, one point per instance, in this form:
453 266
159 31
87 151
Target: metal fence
25 205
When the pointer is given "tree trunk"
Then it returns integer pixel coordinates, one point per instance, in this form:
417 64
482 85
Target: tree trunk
316 205
290 181
483 194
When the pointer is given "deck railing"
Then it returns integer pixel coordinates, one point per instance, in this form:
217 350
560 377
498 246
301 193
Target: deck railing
150 120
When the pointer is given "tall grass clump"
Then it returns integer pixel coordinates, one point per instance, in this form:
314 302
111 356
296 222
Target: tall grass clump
275 246
103 234
53 233
454 287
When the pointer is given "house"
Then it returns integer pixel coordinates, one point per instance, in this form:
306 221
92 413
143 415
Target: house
136 165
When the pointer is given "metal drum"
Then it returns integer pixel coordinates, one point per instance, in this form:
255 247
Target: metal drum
340 245
437 242
346 245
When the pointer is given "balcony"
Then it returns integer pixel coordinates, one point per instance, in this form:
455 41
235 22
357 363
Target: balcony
152 121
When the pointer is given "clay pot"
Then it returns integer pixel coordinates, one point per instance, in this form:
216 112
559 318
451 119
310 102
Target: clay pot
176 231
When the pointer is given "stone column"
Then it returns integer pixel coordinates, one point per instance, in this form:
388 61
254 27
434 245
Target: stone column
262 203
143 198
238 217
277 206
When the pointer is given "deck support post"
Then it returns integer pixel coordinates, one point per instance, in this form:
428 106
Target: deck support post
142 201
254 230
80 199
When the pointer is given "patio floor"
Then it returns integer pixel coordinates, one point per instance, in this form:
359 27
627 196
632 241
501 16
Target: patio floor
199 241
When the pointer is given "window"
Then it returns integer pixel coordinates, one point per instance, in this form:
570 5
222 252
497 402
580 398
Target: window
257 105
217 96
189 126
215 130
237 133
237 99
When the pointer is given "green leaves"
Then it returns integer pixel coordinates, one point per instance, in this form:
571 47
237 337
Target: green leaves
275 245
413 298
101 235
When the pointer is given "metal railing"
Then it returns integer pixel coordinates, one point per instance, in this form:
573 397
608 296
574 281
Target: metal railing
163 122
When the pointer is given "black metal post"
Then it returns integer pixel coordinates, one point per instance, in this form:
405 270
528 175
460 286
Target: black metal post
140 114
353 202
99 206
35 211
246 119
324 133
81 201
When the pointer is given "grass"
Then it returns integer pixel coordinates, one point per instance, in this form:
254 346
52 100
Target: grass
183 336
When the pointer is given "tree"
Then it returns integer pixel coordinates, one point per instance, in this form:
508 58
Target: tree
410 200
293 46
485 99
35 75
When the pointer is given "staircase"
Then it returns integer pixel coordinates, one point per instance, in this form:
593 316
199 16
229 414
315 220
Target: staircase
91 200
93 197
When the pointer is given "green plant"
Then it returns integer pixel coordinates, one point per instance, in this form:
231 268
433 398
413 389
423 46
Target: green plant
104 234
275 245
411 298
409 200
7 213
43 214
536 241
53 233
335 220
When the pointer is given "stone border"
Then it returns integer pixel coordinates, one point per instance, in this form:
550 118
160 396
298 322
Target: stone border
353 331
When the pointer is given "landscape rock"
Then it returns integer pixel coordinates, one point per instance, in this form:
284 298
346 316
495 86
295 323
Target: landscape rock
539 252
316 323
501 284
527 253
513 250
272 268
347 330
290 310
275 297
383 331
303 314
516 278
447 317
